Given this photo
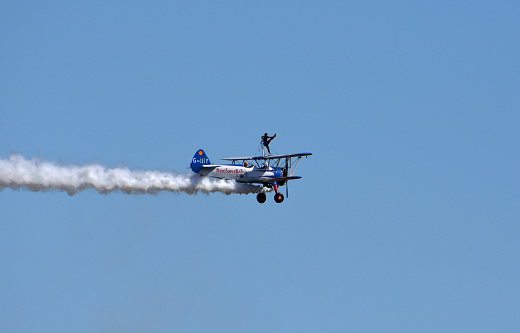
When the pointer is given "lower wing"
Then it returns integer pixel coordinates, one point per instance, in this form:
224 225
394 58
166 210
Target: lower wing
271 180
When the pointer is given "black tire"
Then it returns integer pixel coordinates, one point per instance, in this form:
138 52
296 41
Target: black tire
261 197
278 197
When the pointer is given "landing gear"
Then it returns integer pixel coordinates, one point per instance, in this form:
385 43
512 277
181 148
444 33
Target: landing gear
278 197
260 197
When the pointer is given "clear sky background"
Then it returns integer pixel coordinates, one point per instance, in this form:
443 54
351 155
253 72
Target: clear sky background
407 215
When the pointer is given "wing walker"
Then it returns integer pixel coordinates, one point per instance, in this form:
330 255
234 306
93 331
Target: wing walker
272 171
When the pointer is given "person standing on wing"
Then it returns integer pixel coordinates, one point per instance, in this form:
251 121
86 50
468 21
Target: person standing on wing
266 140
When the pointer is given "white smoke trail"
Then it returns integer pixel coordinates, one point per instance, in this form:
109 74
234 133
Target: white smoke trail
34 175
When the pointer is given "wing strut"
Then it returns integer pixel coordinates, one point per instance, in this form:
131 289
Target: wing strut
288 166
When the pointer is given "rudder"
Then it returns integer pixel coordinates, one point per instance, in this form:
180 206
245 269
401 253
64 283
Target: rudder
199 160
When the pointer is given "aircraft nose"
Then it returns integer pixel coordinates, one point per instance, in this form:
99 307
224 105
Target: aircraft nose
278 173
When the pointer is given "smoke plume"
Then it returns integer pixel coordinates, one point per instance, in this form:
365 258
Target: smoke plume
17 173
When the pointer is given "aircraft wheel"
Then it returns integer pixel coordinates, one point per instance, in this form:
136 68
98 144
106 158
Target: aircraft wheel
278 197
260 197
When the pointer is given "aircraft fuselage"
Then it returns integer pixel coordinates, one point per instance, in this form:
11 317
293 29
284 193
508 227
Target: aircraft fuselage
242 174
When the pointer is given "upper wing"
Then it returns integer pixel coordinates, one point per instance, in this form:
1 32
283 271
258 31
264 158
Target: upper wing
267 157
247 158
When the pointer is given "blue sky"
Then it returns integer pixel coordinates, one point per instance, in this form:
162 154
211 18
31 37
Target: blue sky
406 218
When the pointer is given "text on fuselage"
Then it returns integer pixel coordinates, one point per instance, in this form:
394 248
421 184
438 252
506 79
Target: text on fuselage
226 170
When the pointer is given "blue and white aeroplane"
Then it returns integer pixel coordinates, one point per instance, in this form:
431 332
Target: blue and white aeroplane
271 171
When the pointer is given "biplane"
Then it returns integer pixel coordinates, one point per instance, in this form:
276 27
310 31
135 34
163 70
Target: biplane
271 171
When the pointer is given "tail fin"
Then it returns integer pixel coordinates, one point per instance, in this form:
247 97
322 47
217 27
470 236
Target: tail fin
199 159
